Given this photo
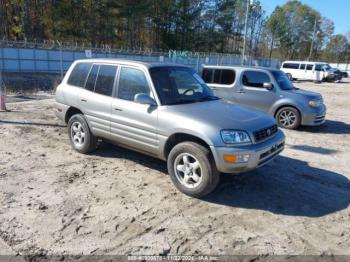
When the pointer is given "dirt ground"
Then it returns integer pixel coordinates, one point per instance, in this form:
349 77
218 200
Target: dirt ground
115 201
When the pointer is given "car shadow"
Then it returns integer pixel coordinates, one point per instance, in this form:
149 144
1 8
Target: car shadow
287 187
329 127
313 149
106 149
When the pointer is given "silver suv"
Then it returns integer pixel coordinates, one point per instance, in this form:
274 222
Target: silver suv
168 112
268 90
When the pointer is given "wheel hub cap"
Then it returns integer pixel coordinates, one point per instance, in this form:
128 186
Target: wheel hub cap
188 170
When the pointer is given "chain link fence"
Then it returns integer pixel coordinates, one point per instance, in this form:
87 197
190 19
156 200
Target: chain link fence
41 66
56 57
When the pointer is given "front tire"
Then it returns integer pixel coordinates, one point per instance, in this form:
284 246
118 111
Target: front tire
288 117
192 169
80 136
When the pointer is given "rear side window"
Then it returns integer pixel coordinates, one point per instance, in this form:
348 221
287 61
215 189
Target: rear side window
309 67
227 77
291 65
302 66
105 80
207 75
255 79
221 76
79 74
131 82
90 83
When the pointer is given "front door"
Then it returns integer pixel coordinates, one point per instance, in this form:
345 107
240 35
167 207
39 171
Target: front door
134 124
251 92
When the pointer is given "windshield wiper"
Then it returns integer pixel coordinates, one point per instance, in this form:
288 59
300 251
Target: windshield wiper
183 101
208 98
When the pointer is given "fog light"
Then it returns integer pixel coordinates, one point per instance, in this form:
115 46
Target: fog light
237 158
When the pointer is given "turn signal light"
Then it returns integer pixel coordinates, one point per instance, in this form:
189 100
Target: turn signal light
237 158
230 158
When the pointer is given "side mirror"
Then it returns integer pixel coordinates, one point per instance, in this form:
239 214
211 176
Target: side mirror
144 99
268 86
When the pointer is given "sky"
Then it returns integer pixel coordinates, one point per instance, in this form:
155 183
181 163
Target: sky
336 10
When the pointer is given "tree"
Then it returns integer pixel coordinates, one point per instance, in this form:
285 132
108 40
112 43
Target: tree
337 49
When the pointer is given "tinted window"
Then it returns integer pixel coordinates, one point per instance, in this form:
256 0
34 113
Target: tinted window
318 67
79 74
221 76
302 66
227 77
309 67
255 78
90 83
131 82
105 80
291 65
217 76
207 75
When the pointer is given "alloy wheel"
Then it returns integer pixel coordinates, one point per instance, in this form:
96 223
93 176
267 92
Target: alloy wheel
188 170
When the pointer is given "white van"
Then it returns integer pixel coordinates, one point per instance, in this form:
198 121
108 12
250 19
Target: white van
306 70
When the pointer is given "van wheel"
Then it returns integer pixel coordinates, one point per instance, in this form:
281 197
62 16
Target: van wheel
288 117
192 169
290 77
80 136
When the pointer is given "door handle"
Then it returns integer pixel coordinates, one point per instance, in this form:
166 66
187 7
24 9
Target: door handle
83 100
118 109
241 91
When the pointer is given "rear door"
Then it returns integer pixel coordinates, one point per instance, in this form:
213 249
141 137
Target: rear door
302 72
251 92
96 99
221 81
134 124
310 73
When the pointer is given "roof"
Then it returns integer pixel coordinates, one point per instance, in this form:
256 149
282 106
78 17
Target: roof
304 62
130 62
240 67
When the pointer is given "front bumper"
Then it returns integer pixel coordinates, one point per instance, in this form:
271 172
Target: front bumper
314 118
260 154
334 77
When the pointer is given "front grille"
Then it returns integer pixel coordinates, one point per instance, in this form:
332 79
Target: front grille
270 154
319 119
262 134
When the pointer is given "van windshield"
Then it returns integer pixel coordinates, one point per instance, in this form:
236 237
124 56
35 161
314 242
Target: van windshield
282 80
180 85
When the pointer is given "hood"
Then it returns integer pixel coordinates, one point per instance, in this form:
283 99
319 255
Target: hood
219 114
307 94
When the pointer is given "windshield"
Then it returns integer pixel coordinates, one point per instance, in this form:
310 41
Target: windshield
326 67
282 80
179 85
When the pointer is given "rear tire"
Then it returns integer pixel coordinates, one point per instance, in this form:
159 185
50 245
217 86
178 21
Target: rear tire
288 117
80 136
192 169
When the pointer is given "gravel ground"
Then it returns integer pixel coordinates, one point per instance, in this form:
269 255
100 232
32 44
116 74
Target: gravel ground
55 201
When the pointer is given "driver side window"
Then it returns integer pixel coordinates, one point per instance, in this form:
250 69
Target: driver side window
255 79
132 81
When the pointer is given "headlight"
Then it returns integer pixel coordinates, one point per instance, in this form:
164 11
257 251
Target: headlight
314 103
235 137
